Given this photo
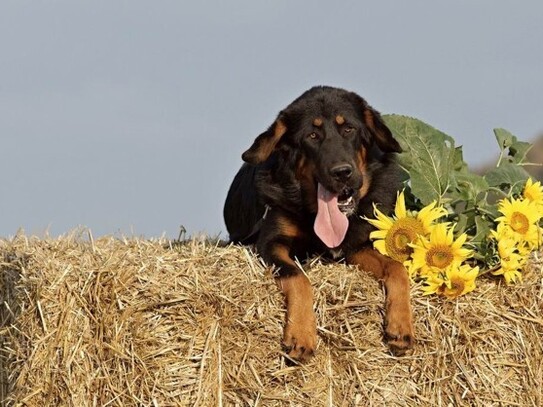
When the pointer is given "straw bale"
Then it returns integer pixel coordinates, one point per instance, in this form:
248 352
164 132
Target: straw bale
132 322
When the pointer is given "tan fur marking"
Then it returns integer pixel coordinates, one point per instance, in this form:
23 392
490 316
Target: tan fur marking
288 228
280 129
317 122
299 294
340 119
368 118
399 319
282 252
368 261
300 335
296 284
266 149
363 170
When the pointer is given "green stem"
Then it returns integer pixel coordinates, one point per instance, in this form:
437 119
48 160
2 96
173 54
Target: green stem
480 210
500 157
490 270
498 191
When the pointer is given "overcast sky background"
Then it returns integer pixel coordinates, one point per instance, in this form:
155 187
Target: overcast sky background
129 117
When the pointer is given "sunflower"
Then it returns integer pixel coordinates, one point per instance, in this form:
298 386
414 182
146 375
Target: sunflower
533 192
452 283
524 243
395 234
508 242
439 252
460 280
434 284
520 218
512 275
511 271
513 257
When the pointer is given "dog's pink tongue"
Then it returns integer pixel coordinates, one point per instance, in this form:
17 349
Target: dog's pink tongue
330 224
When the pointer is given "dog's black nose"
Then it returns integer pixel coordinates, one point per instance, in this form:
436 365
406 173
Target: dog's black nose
342 172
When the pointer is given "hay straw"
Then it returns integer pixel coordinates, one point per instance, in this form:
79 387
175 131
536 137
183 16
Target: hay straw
131 322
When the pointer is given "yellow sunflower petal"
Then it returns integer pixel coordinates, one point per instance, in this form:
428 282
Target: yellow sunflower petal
460 240
533 192
378 234
429 214
433 285
400 210
380 246
381 221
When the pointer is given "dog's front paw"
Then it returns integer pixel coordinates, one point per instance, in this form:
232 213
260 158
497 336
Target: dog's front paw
300 337
399 333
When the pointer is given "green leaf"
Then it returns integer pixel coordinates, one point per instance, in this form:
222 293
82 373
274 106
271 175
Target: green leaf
428 156
459 163
483 227
519 150
507 175
469 185
461 224
505 138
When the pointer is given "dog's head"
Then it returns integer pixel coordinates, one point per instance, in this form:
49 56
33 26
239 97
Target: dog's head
332 132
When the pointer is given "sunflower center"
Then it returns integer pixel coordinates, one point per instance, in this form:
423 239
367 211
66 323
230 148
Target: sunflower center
439 256
457 288
519 223
401 233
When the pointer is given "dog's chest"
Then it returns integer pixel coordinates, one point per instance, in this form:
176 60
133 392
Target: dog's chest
336 253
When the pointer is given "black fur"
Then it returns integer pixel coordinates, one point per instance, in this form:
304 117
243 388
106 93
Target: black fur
285 162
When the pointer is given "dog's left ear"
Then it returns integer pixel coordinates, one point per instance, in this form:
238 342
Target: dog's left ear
265 143
382 134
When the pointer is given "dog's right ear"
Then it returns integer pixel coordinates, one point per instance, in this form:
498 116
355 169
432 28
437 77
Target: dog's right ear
383 136
264 144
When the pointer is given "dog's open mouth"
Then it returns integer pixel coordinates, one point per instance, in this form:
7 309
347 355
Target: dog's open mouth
331 222
345 201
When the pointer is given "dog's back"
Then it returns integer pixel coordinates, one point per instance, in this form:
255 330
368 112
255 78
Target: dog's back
242 209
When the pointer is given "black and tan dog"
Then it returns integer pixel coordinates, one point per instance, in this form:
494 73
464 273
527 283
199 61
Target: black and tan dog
304 189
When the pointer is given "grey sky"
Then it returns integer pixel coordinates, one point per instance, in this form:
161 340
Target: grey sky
131 116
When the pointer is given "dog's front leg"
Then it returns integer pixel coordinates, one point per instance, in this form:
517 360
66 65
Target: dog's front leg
398 320
300 333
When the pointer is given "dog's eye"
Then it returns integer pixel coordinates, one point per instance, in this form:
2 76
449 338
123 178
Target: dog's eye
348 129
313 136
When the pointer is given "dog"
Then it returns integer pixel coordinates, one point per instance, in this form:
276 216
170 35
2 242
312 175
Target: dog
306 185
